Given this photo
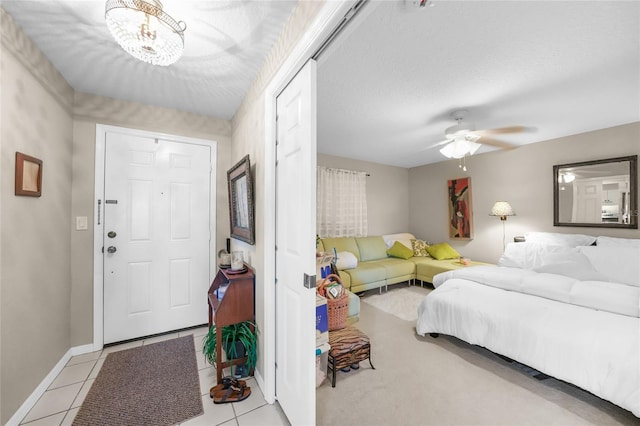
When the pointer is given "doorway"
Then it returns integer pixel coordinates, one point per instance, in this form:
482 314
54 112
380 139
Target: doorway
154 232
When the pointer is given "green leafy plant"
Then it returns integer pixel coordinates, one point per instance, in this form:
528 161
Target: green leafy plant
241 332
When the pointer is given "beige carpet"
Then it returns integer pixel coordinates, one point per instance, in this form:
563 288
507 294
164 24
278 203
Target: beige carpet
444 381
401 302
155 384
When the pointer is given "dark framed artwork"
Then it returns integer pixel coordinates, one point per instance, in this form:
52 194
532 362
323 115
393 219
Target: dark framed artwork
460 209
241 207
28 179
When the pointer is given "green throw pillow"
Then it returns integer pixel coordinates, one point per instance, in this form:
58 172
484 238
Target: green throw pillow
400 250
442 251
420 248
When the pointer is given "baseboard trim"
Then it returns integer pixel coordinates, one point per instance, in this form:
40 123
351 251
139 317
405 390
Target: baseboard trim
29 403
261 385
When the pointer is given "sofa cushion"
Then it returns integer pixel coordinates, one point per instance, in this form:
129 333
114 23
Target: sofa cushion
371 248
442 251
342 244
397 267
400 251
367 272
405 238
419 248
346 260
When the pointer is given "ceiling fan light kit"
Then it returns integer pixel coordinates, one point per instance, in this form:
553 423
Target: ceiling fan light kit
145 31
462 138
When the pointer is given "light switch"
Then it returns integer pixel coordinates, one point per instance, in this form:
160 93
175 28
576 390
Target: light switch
81 223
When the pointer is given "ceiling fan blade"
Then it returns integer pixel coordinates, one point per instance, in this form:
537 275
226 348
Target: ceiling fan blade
501 130
435 145
496 143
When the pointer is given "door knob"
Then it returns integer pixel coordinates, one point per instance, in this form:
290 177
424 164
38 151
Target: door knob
111 249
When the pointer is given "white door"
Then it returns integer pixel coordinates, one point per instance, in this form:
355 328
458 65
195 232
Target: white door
295 247
588 201
156 236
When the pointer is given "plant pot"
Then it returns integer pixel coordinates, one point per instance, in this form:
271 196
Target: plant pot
240 370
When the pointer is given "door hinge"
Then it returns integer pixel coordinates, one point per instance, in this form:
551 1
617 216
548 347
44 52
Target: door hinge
309 281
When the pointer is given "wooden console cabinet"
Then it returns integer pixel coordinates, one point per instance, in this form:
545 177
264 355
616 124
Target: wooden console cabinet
231 300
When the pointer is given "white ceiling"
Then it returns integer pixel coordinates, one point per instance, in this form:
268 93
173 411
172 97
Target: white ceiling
387 84
226 42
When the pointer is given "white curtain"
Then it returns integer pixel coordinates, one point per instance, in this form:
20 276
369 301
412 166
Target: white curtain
341 203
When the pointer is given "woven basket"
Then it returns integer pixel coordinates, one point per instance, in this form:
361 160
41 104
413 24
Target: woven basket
337 309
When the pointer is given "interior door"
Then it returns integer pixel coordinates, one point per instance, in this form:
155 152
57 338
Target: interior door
156 242
295 246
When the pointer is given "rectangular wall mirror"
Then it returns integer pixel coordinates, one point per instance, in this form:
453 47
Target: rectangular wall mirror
599 194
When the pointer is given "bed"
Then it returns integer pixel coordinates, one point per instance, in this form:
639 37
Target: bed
564 307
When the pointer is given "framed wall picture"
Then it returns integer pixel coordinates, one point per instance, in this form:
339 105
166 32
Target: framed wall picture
460 209
28 179
241 208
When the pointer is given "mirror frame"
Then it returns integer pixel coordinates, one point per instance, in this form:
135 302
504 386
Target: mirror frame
242 222
633 193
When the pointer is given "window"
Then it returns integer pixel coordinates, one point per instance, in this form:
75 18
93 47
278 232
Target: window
341 203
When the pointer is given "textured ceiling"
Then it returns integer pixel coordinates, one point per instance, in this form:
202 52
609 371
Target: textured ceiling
226 43
388 83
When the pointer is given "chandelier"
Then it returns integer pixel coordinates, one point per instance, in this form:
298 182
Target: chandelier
144 30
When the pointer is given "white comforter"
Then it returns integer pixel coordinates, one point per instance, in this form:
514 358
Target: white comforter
583 332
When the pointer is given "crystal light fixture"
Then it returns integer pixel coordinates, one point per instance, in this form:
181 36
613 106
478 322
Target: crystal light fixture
144 30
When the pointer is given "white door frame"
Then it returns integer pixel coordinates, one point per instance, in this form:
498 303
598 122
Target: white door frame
98 225
328 18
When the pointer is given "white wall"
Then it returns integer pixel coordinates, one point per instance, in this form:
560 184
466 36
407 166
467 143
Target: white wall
387 193
524 177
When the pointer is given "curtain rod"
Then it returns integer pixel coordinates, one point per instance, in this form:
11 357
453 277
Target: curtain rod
345 170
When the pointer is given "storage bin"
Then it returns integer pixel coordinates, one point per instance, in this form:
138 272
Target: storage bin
322 358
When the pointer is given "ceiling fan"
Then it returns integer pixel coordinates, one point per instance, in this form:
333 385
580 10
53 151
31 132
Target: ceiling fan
463 139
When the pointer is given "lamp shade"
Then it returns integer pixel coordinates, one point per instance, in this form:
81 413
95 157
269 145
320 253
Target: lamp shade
502 209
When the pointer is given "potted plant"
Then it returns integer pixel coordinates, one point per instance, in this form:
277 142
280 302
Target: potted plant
238 340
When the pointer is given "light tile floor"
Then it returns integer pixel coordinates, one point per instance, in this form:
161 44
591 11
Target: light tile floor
62 400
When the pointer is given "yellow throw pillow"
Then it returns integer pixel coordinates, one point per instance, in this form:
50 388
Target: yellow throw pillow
420 248
442 251
400 250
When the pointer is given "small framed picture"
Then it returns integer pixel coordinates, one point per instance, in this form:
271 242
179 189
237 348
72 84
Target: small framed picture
28 175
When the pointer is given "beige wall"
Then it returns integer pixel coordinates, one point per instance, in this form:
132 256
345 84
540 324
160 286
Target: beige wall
46 268
249 136
387 193
522 176
90 110
35 278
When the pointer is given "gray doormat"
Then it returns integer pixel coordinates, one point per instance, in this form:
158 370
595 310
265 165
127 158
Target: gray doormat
156 384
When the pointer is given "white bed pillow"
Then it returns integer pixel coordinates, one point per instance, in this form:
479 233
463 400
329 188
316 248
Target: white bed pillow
582 271
529 255
405 238
618 264
346 260
617 242
557 239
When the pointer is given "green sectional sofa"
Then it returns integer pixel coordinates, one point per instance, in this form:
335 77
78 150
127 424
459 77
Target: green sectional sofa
376 269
